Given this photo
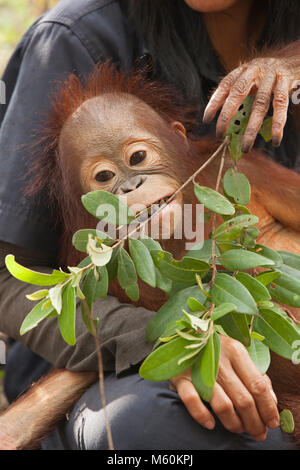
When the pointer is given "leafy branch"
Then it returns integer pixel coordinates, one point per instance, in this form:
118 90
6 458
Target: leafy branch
210 291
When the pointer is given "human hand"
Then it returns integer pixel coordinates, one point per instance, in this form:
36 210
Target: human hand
262 77
240 388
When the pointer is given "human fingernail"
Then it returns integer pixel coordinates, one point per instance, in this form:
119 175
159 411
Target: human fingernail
273 423
261 437
274 396
210 424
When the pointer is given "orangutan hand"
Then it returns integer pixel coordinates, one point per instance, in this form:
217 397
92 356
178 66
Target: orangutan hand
240 388
262 77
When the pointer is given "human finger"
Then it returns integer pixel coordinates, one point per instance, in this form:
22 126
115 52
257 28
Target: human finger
243 402
193 402
224 409
258 387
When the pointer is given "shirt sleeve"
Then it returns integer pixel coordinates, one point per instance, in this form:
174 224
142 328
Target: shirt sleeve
121 327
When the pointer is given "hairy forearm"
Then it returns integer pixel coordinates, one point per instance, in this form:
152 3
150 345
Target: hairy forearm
33 416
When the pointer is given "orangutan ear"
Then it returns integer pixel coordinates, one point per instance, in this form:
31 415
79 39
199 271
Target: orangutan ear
179 128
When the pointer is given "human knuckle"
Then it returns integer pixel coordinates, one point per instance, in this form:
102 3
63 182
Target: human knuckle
224 407
236 347
258 386
189 397
244 401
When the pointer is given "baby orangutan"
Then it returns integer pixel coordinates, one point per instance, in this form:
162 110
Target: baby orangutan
128 136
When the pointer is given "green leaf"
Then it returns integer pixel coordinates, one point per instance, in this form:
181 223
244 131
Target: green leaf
266 278
205 369
269 253
286 290
260 355
127 276
143 261
278 331
258 291
149 243
195 322
228 289
182 271
55 295
291 260
222 310
266 129
162 363
67 318
172 311
32 277
38 295
236 141
213 200
287 421
202 251
112 266
35 316
107 207
242 260
235 224
236 326
81 237
237 186
195 305
94 289
240 120
99 253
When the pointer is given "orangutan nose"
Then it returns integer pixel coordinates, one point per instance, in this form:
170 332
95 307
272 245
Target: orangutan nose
132 183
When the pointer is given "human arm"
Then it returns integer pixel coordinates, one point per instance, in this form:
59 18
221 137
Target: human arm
121 329
271 77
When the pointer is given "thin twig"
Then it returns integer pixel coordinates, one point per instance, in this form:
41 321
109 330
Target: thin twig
213 243
101 376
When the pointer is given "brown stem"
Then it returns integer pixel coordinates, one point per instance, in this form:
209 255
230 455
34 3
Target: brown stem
101 376
213 244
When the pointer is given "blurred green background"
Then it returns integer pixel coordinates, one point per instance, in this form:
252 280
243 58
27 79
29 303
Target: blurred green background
15 18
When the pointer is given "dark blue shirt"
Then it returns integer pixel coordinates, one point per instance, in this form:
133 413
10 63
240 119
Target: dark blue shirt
72 37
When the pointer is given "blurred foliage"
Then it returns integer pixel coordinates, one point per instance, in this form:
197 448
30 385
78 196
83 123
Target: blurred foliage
15 18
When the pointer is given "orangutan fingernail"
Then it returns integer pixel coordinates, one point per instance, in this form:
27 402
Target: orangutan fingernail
275 141
207 117
245 147
220 134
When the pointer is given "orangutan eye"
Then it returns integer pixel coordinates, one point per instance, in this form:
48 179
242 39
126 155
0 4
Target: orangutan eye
103 176
137 157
